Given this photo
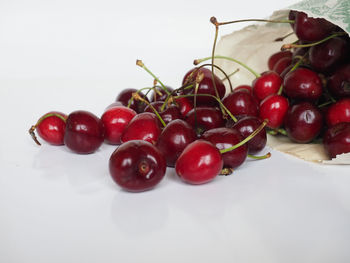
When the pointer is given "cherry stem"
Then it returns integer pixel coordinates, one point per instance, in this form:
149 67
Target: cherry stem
137 96
226 171
284 37
293 45
251 136
140 64
266 156
33 127
198 61
230 75
138 91
222 71
216 23
212 59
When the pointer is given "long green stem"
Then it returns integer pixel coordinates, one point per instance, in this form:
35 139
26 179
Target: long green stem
139 91
255 20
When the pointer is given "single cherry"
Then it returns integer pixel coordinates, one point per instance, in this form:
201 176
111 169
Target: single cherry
174 139
50 127
246 126
241 103
184 104
337 139
114 120
224 138
339 82
125 96
274 58
144 126
268 83
246 88
84 132
170 113
137 166
160 94
303 122
199 163
338 112
274 108
282 64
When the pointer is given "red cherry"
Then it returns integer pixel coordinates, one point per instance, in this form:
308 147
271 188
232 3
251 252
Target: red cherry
185 105
268 83
114 121
144 126
174 139
84 132
337 139
199 163
224 138
303 122
205 118
137 166
160 94
246 126
282 64
303 84
169 114
338 112
125 96
241 103
50 127
246 88
339 82
274 58
274 108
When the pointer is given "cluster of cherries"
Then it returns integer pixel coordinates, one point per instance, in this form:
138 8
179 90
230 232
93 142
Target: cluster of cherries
202 130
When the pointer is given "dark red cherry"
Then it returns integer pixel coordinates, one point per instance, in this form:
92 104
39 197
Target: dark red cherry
274 58
326 56
337 139
137 166
241 103
338 112
339 82
246 88
157 105
303 122
312 29
224 138
274 108
125 95
144 126
115 120
303 84
50 127
185 105
205 86
246 126
268 83
199 163
204 118
84 132
170 113
160 94
282 64
173 140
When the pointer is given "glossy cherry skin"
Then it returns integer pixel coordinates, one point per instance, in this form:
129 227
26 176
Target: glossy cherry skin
246 126
205 86
268 83
84 132
339 82
274 108
326 56
274 58
144 126
204 118
115 120
303 84
246 88
224 138
174 139
338 112
312 29
199 163
184 104
125 95
336 139
160 95
169 114
51 127
282 64
137 166
303 122
241 103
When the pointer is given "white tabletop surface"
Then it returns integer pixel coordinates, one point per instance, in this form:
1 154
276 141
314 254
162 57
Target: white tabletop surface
57 206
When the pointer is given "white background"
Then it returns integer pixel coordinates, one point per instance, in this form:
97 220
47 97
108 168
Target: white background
56 206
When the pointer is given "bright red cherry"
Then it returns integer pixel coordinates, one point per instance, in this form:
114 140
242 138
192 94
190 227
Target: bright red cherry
268 83
224 138
115 120
185 105
337 139
303 84
144 126
241 103
137 166
303 122
84 132
50 127
274 108
338 112
199 163
174 139
125 96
